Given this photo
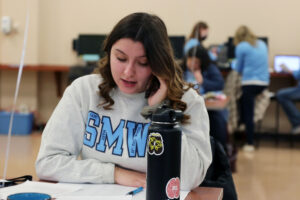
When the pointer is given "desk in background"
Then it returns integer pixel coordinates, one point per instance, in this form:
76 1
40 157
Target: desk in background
205 193
58 70
216 104
277 80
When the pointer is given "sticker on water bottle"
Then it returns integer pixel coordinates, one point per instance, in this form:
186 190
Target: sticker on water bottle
156 144
173 188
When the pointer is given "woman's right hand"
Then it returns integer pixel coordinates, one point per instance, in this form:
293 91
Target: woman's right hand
129 178
160 94
198 76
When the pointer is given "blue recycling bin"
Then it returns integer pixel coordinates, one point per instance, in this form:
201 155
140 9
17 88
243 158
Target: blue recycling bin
22 124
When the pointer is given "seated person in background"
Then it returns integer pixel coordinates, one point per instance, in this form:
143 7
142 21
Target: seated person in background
206 77
198 34
286 97
252 64
98 118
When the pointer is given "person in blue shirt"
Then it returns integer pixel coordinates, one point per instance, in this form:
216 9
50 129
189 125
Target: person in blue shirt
252 63
198 34
206 77
286 97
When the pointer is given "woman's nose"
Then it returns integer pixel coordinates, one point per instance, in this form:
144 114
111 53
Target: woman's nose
129 69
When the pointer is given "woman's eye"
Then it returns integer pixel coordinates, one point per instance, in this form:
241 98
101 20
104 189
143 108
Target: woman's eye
121 59
143 63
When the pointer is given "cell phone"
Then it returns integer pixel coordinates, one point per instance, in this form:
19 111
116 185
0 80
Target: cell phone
153 87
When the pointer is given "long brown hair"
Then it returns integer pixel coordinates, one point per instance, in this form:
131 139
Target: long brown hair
196 30
151 31
243 33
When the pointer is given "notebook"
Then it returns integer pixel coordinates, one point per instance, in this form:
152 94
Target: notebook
292 62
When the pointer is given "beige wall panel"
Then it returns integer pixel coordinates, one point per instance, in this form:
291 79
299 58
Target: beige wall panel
61 21
54 24
11 44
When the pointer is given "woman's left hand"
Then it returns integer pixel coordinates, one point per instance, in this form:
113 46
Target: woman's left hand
160 94
129 178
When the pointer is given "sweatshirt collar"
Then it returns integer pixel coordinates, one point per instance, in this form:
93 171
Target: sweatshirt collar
130 96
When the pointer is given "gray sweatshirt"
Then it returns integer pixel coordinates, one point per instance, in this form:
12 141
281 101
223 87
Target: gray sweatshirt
82 142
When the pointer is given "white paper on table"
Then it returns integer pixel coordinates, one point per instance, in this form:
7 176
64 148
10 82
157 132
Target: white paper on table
99 189
115 197
31 186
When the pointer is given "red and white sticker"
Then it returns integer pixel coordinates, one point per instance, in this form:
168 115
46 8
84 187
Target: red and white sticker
173 188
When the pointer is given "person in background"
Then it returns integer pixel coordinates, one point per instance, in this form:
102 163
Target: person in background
198 34
252 63
98 118
206 77
286 97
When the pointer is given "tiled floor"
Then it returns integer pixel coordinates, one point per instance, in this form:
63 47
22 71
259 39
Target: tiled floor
269 173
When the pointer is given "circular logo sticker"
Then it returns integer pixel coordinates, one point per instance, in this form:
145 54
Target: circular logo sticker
173 188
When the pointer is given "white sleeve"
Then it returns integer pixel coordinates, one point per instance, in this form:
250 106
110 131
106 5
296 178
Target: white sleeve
62 142
196 153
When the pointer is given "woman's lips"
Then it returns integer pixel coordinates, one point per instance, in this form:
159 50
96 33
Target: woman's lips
129 83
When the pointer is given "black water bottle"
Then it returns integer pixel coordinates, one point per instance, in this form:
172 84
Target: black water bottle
164 155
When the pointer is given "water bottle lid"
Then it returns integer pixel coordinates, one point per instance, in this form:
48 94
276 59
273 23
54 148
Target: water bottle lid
167 115
29 196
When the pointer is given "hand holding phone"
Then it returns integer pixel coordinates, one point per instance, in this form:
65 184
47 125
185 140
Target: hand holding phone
157 91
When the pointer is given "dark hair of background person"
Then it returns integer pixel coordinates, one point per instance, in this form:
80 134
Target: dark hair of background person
201 53
151 31
196 30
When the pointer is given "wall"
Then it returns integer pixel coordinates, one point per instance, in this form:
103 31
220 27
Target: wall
64 20
55 23
10 53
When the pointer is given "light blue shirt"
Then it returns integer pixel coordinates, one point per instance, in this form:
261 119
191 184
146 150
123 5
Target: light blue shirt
252 63
190 44
193 43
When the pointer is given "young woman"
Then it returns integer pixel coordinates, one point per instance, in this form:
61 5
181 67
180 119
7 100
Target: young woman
206 77
202 71
98 118
252 63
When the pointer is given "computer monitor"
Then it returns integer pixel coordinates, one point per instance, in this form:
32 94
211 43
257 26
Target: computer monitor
231 46
90 44
292 62
177 43
218 53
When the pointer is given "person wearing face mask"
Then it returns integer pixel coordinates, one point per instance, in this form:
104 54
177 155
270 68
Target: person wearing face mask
98 118
198 34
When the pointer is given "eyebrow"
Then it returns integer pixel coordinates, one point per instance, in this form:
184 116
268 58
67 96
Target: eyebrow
126 54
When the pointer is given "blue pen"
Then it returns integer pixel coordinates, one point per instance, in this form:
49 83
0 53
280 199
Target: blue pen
135 191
